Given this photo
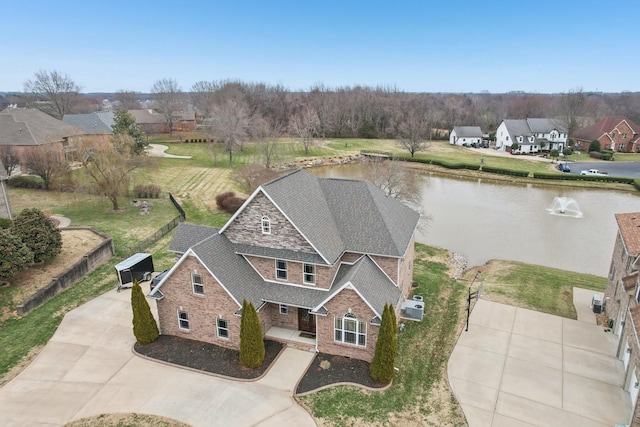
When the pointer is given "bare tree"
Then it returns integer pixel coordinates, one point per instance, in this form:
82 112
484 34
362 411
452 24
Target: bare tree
573 108
9 158
169 100
250 177
392 177
266 132
203 97
127 100
48 163
110 169
55 93
230 124
304 126
414 131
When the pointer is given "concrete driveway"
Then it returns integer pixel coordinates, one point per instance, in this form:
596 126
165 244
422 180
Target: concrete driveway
518 367
87 368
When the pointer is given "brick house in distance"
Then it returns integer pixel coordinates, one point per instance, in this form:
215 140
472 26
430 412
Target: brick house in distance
622 303
318 257
615 133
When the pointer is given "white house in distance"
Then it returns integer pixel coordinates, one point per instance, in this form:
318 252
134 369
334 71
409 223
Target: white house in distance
461 135
532 135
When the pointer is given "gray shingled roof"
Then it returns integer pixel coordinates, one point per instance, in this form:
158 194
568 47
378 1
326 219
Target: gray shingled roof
468 131
338 215
91 124
546 125
188 235
284 254
32 127
367 278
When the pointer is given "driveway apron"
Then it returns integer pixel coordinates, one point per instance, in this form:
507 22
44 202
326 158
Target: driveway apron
88 368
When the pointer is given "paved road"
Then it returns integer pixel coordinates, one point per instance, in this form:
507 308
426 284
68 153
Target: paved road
626 169
87 368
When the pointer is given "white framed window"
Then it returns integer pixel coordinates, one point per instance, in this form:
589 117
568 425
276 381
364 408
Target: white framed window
223 328
309 274
284 309
350 330
281 269
266 225
197 284
183 320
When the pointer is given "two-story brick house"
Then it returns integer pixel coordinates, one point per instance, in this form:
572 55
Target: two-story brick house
615 132
315 255
622 303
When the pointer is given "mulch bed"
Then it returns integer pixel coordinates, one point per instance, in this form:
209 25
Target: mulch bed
207 357
327 369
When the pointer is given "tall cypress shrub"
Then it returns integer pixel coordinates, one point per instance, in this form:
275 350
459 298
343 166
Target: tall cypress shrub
251 342
382 365
145 328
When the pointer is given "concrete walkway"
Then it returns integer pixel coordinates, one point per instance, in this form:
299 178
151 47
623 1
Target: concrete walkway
582 302
87 368
158 150
518 367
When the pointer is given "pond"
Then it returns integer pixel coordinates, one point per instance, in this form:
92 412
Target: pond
483 220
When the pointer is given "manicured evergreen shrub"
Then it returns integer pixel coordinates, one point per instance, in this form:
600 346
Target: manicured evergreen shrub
5 223
251 341
38 233
26 181
382 365
145 328
15 255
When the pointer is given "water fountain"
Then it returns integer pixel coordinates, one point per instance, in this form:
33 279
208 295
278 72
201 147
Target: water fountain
565 206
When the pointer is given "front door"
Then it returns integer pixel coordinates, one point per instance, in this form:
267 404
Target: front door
306 321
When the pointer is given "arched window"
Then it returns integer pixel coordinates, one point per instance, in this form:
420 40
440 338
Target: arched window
266 225
348 329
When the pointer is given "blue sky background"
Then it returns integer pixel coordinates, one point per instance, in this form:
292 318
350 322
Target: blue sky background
416 46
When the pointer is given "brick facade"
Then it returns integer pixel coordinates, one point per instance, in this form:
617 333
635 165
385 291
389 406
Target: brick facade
267 269
623 311
345 302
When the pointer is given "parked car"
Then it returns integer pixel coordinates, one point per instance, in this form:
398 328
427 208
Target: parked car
157 279
594 172
563 167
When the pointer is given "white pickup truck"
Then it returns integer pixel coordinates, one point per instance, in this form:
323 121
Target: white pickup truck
593 172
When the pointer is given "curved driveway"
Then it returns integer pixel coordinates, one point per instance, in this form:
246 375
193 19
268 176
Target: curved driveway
88 368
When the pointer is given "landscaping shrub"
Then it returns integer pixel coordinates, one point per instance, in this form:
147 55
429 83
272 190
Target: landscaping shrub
229 202
502 171
15 255
145 328
148 191
26 181
251 342
382 365
595 154
38 233
5 223
607 154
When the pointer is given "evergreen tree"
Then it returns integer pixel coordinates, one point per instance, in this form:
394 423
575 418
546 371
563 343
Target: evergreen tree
382 365
251 342
125 123
594 145
38 233
14 255
145 328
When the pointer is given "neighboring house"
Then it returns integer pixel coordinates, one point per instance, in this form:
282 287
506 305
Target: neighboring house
622 303
28 130
5 208
616 133
314 255
532 135
96 127
462 135
152 122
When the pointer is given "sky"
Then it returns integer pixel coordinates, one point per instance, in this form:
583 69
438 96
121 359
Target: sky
459 46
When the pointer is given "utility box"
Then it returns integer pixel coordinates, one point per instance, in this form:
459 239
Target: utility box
596 303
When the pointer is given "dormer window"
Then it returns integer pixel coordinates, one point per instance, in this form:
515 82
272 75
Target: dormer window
266 225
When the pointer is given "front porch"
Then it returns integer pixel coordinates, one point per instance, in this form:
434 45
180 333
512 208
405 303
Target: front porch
295 338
